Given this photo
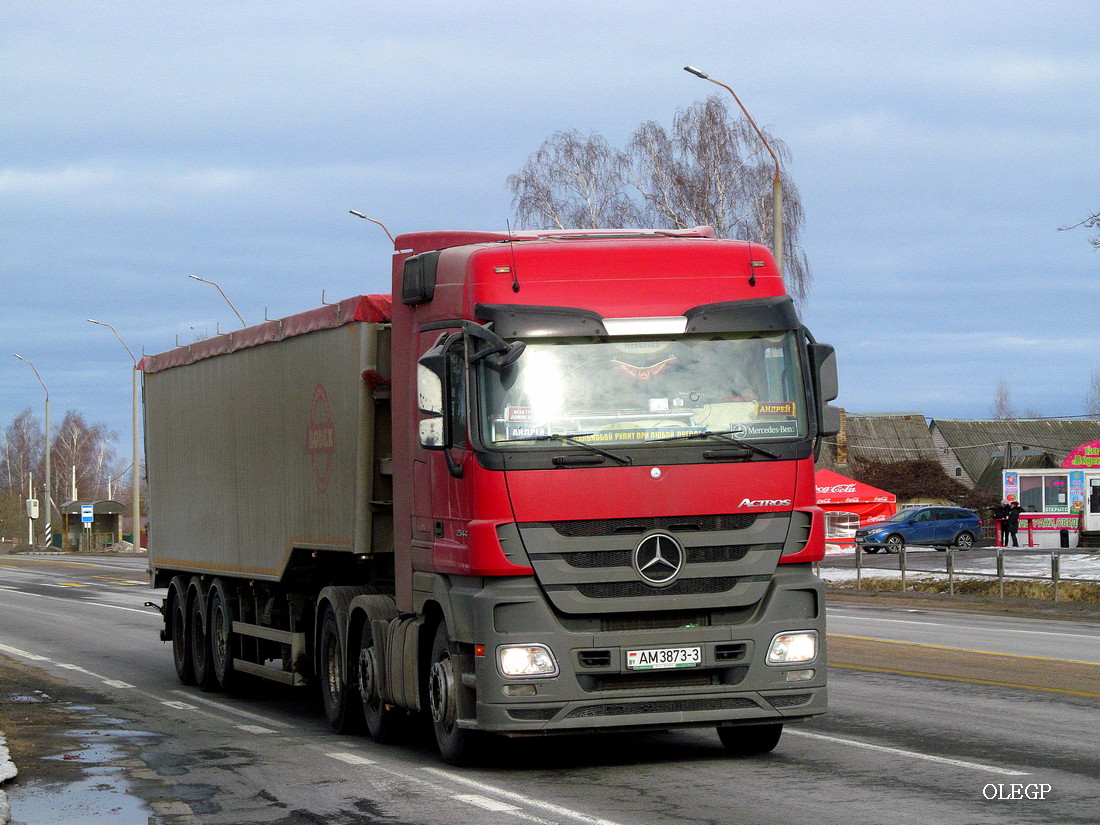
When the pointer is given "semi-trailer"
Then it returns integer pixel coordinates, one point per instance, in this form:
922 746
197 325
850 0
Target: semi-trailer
559 482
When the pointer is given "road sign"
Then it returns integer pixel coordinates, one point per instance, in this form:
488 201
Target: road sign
87 513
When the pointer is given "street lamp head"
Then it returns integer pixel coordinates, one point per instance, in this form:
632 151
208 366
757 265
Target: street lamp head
697 72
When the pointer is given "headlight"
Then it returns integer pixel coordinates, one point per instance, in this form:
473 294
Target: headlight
526 660
793 648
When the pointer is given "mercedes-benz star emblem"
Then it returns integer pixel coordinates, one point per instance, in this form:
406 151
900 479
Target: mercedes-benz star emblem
658 558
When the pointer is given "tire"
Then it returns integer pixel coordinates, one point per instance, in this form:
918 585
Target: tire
223 646
869 549
181 639
384 722
894 543
750 740
964 540
340 699
457 745
199 641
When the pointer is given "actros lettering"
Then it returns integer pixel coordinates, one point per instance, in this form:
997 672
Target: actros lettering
765 502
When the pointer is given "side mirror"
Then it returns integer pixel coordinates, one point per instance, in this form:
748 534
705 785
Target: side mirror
430 370
827 385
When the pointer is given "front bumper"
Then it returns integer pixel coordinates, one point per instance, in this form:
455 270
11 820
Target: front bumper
595 690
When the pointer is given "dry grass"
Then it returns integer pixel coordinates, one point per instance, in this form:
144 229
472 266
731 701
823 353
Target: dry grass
1067 592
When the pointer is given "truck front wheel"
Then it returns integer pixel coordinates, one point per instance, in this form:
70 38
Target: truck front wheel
750 740
383 721
457 745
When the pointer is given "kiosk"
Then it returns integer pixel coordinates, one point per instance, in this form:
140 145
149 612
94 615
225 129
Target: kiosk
1065 498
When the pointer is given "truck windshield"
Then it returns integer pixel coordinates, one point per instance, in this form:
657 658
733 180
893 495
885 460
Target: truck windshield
629 391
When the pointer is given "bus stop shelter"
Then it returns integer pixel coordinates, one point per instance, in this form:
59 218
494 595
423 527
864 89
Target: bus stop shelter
104 529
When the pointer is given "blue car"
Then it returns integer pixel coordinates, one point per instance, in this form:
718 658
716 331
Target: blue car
938 526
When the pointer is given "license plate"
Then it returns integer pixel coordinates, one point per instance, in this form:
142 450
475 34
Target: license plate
659 658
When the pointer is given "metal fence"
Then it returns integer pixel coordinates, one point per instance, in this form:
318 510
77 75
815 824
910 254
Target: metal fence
951 569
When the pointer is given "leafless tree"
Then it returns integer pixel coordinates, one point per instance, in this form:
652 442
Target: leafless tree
89 449
23 446
573 182
1002 401
1092 397
1091 222
710 169
713 170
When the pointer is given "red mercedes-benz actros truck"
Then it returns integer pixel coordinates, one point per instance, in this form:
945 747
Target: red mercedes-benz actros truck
560 482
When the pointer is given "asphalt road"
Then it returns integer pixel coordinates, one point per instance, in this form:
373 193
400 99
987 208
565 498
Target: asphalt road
935 718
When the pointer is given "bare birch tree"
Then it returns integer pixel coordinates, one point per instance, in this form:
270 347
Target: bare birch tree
710 169
1002 401
1092 397
88 448
573 182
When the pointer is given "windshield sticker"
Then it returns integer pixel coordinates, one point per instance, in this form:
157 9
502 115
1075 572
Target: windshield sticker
771 429
516 431
520 414
785 409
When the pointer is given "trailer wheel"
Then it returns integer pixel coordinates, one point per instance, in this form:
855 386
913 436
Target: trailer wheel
457 745
181 640
337 695
222 648
383 721
750 740
199 641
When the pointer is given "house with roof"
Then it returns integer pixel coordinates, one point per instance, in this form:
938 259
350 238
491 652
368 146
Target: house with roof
976 451
881 437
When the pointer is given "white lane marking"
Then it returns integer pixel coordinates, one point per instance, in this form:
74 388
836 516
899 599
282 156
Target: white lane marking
255 717
954 628
487 803
520 799
179 705
14 651
349 758
255 729
145 611
943 760
34 657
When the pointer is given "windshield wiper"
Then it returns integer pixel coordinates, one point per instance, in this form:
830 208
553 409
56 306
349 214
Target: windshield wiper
576 440
725 435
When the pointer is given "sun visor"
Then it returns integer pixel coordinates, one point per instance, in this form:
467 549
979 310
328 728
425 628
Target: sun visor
755 315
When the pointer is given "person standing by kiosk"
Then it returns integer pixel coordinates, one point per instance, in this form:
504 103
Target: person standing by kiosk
1012 524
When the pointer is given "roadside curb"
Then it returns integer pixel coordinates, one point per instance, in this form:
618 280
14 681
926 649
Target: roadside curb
8 771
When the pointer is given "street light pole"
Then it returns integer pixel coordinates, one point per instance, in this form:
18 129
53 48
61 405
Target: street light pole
777 186
136 493
47 529
203 280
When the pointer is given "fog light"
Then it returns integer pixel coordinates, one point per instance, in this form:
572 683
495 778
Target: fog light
526 660
793 648
800 675
520 690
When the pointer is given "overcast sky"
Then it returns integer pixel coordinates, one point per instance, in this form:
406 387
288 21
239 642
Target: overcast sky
938 149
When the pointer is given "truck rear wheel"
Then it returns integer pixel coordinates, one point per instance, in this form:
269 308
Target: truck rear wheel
457 745
337 695
199 641
750 740
181 640
222 647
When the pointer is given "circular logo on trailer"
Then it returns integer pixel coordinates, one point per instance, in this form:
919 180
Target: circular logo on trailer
321 438
659 558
